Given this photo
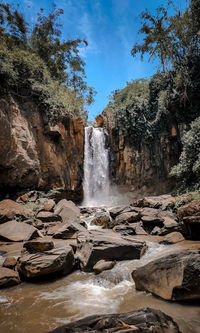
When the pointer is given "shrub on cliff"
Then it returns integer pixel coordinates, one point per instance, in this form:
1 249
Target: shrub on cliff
188 169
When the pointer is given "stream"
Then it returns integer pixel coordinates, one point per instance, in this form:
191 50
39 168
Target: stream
42 306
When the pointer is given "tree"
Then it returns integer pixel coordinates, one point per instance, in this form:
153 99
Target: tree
170 38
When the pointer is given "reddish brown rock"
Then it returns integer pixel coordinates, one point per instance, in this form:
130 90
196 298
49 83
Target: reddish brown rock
58 260
39 245
175 277
33 158
48 217
10 262
190 209
103 265
173 238
8 277
10 209
67 210
49 205
17 231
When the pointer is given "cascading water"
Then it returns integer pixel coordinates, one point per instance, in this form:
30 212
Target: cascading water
96 168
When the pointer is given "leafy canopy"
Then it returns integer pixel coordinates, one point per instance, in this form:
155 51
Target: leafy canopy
60 69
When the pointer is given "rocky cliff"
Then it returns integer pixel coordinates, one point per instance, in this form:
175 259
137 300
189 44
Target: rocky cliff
35 155
145 168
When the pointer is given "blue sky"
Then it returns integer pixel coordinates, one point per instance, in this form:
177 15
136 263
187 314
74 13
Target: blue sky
110 27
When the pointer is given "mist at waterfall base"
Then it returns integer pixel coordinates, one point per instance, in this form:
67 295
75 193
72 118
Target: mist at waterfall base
97 188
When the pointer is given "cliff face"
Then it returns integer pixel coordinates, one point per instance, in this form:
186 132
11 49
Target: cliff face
35 155
147 167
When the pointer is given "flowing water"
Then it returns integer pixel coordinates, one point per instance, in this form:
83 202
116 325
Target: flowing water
44 306
96 182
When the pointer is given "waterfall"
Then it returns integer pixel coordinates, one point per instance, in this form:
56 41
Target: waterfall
96 168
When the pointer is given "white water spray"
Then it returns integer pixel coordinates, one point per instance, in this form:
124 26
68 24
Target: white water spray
96 183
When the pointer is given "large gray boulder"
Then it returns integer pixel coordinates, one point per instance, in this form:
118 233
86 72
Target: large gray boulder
145 320
14 231
175 277
108 245
67 210
38 264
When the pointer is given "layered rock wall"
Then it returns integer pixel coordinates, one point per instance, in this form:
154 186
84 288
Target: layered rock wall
146 167
35 155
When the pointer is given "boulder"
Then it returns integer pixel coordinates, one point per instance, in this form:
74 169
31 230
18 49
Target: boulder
101 219
114 211
48 217
149 212
38 245
124 230
69 230
172 238
17 231
10 262
175 277
103 265
162 201
139 230
38 264
193 208
67 210
49 204
192 224
10 209
145 320
127 217
108 245
8 277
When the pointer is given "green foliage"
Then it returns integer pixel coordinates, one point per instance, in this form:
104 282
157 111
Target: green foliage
188 168
37 62
25 74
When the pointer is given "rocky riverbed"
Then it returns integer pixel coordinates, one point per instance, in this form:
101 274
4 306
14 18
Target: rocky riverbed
61 262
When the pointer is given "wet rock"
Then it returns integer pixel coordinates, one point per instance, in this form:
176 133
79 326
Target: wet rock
17 231
172 238
96 245
114 211
103 265
10 209
127 217
175 277
38 245
145 320
124 230
192 224
191 209
10 262
69 230
101 219
58 260
48 217
67 210
8 277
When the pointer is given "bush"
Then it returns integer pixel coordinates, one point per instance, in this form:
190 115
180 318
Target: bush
188 169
